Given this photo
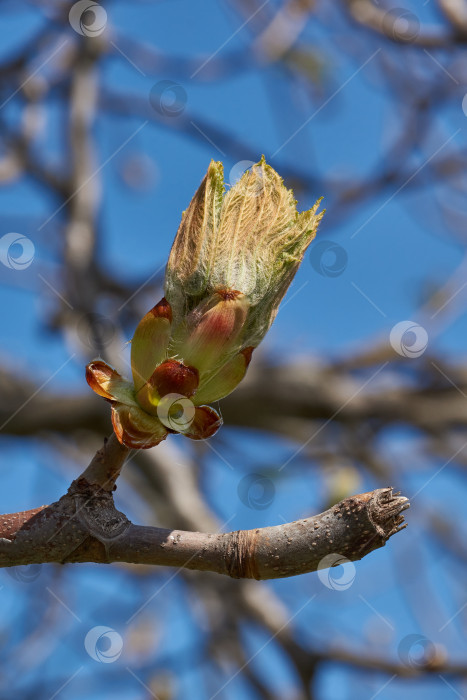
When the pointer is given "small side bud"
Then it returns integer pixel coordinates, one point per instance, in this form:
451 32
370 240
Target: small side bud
171 377
205 424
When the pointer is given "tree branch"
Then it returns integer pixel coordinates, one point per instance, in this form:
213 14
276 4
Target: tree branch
106 465
85 526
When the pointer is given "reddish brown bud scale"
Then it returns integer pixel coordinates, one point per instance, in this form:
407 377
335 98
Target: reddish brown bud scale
247 353
205 424
162 310
99 375
132 429
173 377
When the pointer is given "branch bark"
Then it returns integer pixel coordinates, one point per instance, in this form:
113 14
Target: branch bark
85 526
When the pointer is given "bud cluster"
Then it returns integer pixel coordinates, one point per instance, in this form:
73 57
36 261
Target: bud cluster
231 263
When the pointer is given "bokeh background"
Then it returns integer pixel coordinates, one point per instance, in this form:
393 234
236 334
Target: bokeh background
109 115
